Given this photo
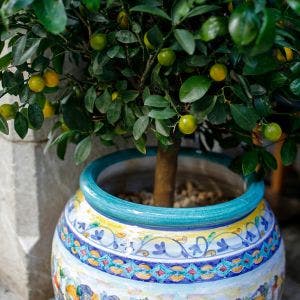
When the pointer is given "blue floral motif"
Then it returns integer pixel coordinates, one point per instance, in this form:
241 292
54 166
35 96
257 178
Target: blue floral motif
160 248
196 249
167 272
250 236
222 245
81 225
104 296
264 222
246 236
98 235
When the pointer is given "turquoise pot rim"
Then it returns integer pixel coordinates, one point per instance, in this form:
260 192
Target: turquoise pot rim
152 216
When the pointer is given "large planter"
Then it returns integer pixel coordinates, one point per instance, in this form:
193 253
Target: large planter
108 248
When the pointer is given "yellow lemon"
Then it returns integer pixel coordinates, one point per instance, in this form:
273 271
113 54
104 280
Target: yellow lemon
98 41
218 72
48 110
115 95
36 83
285 55
187 124
51 78
8 111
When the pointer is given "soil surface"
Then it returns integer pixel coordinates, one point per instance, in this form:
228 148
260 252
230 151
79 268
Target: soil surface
189 194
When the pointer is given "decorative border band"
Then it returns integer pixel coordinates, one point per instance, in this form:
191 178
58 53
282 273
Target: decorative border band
212 270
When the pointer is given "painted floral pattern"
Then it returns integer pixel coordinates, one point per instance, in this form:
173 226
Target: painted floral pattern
86 222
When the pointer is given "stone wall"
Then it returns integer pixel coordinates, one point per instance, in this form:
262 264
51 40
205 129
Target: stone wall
34 188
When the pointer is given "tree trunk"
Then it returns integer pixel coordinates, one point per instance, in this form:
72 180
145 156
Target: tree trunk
165 175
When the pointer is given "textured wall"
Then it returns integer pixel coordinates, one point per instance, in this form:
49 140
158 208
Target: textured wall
34 188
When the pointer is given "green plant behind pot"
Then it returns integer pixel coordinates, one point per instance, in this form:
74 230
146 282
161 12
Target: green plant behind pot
147 66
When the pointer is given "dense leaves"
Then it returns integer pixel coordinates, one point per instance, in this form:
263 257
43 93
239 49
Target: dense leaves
139 66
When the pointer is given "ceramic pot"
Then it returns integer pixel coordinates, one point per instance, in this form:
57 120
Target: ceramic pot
108 248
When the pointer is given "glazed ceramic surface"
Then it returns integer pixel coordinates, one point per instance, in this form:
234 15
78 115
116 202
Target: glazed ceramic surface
107 248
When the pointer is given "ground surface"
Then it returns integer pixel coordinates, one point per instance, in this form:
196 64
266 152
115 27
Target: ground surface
291 234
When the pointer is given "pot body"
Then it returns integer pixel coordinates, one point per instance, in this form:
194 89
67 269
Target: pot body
98 256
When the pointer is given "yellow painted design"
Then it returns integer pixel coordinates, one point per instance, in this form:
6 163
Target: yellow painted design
122 230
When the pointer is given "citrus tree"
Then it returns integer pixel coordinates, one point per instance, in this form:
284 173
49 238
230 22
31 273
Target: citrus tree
224 72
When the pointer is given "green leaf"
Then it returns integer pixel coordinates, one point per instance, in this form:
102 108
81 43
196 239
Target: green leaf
61 149
288 152
83 150
154 36
21 125
212 28
269 159
203 9
3 125
263 106
180 10
30 51
277 80
260 64
18 49
129 95
52 14
164 114
162 127
218 115
89 99
92 5
76 118
257 90
126 37
295 5
156 101
114 112
249 162
103 102
5 61
62 137
244 116
198 61
140 127
266 36
185 40
295 87
140 144
35 116
194 88
152 10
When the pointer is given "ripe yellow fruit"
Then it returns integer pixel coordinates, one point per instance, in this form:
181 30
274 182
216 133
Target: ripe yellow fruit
218 72
36 83
48 110
147 43
288 55
98 41
187 124
115 95
123 19
8 111
51 78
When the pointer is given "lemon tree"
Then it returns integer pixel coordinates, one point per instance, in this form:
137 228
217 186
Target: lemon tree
223 72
